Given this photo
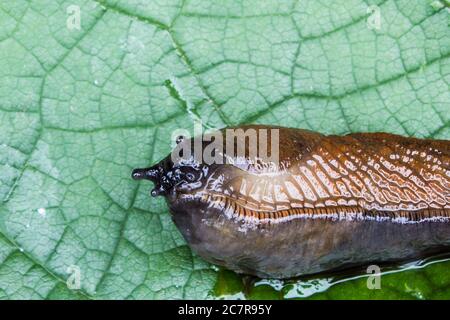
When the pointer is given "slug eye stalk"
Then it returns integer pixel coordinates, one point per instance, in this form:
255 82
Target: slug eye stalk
154 174
151 173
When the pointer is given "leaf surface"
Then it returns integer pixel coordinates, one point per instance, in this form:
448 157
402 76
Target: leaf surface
79 108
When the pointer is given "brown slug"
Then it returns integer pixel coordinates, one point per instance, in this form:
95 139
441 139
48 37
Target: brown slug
328 203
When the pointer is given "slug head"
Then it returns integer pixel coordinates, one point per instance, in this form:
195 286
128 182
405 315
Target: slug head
182 175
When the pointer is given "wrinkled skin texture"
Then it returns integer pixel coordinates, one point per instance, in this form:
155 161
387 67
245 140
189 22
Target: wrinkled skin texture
330 202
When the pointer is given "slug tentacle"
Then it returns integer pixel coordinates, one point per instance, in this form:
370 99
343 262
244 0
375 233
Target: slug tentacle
151 173
328 202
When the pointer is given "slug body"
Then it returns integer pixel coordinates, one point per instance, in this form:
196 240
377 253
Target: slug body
330 202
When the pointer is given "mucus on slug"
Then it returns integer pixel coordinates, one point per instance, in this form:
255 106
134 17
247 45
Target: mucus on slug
328 202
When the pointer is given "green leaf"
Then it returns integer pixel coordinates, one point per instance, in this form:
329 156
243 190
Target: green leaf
80 108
